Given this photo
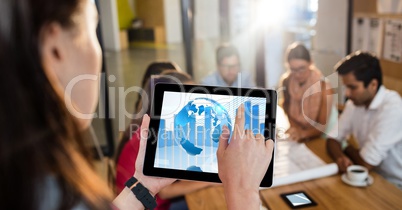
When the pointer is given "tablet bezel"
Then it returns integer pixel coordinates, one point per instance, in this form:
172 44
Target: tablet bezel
155 113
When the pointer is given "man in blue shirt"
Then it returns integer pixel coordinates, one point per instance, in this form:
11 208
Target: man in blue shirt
228 73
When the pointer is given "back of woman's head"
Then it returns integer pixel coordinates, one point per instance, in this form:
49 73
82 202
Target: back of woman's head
298 51
176 77
156 68
38 136
168 76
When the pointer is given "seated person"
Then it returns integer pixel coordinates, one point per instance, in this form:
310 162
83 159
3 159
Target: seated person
307 96
125 166
228 74
372 115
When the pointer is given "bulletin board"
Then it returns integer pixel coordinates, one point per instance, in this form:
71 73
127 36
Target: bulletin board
385 39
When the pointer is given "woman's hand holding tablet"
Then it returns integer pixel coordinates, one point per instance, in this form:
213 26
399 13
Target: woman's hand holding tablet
154 184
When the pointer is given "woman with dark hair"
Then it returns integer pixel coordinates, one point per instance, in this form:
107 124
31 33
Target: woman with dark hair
49 62
171 197
171 76
155 68
307 96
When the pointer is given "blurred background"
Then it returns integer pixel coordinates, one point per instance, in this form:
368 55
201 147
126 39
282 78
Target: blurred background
135 33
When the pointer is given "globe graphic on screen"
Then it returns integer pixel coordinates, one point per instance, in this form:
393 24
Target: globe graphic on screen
208 113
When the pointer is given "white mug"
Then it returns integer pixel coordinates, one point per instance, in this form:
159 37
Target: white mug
357 173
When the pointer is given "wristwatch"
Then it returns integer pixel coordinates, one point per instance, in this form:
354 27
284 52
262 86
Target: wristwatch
141 193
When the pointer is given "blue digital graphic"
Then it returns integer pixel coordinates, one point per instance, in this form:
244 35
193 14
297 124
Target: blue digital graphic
215 115
188 139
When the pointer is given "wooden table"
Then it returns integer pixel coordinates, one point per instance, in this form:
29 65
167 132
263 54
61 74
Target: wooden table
332 193
329 192
211 198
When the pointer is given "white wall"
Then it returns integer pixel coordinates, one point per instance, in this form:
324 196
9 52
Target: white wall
242 32
331 33
110 25
206 19
329 43
274 50
173 26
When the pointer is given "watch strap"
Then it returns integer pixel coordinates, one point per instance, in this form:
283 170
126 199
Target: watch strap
141 193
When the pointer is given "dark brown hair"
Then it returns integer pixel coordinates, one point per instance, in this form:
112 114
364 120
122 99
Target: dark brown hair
38 136
364 66
298 51
155 68
168 76
225 50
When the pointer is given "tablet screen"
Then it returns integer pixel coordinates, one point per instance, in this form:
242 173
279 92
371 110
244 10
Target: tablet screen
191 123
187 121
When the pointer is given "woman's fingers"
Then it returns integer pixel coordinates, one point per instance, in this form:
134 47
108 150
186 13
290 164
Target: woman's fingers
223 140
259 137
238 131
144 135
269 145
